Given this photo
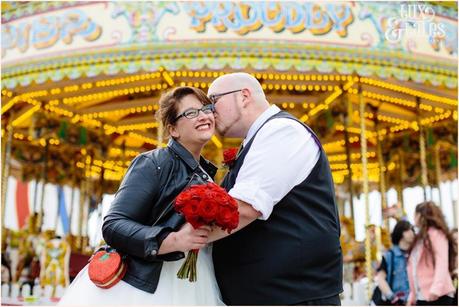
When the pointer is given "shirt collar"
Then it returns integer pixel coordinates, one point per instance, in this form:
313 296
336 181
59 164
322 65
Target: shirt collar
273 109
397 250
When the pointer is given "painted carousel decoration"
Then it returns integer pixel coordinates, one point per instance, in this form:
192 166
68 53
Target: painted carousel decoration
81 83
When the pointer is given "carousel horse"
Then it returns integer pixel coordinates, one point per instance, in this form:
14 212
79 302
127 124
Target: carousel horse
28 266
54 261
354 251
350 248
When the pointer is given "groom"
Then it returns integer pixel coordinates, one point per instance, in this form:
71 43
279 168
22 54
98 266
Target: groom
286 249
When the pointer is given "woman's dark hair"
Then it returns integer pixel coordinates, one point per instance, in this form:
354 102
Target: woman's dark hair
168 104
430 215
398 231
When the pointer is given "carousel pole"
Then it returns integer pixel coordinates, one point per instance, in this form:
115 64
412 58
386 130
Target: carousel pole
438 170
382 175
33 133
401 168
363 142
32 130
89 189
81 212
72 203
35 195
101 184
84 185
100 197
160 134
422 148
347 123
42 198
6 166
85 241
56 217
70 237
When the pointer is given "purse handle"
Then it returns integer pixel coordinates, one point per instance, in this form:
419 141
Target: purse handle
107 248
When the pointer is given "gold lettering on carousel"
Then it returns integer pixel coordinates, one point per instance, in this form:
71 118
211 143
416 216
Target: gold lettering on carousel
15 37
320 21
45 32
274 18
243 18
76 23
201 17
253 25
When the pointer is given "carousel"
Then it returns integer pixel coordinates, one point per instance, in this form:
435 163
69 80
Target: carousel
81 82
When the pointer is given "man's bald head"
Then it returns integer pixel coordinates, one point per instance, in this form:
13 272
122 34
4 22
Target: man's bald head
239 100
236 81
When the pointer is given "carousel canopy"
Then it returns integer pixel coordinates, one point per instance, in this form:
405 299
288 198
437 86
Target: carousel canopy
81 80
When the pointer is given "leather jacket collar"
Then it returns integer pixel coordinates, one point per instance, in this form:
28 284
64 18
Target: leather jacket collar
188 158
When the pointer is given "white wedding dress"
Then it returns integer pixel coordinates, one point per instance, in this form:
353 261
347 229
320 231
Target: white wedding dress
171 290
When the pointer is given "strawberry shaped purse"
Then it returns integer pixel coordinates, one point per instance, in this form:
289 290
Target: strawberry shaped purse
106 267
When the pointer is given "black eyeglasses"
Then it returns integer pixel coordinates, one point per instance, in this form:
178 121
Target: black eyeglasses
214 97
192 112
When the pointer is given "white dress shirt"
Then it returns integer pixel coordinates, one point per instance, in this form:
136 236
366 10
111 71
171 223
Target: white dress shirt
282 156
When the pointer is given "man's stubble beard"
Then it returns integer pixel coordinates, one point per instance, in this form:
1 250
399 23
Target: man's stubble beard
224 132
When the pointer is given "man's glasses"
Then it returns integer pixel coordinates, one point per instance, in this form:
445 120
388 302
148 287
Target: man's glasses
214 97
192 113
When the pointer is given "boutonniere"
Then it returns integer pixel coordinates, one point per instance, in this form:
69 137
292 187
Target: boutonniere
229 156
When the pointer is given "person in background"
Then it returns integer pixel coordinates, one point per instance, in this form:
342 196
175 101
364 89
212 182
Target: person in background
454 273
431 259
392 277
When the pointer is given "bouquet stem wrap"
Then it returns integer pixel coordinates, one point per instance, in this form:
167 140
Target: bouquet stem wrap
189 267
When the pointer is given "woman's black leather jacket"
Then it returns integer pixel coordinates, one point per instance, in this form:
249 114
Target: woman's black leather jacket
151 183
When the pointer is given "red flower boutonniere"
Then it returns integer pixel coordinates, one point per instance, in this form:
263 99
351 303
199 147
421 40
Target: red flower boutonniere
229 156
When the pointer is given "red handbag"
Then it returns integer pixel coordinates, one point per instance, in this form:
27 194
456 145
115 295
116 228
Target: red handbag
106 267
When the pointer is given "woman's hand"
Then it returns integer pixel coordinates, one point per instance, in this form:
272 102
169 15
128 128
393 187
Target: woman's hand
187 238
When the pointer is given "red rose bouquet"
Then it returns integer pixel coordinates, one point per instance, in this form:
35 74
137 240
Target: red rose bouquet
229 156
206 204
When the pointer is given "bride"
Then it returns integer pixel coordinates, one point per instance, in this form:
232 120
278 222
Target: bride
153 180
